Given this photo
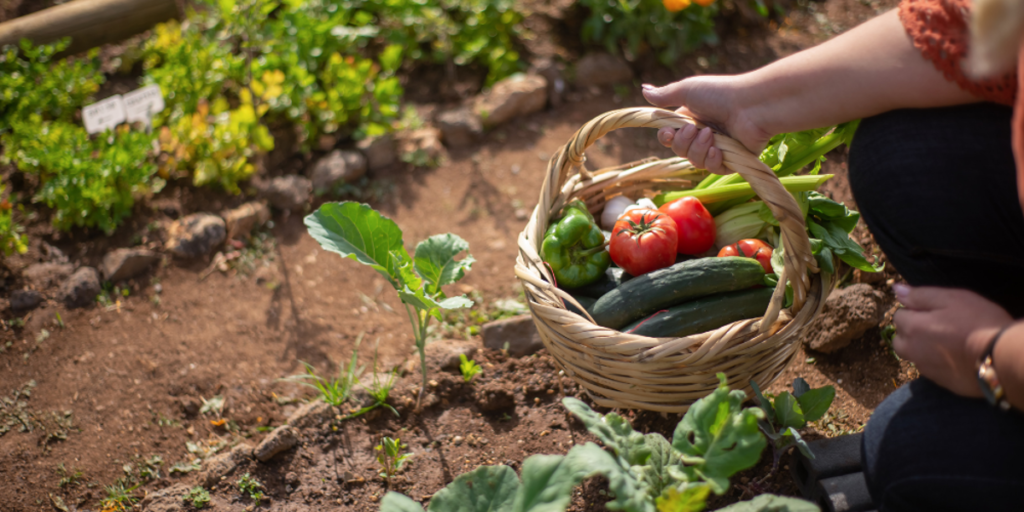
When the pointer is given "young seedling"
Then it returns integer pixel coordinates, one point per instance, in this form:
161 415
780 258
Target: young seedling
786 413
68 477
468 367
120 497
358 232
379 389
333 391
390 456
197 496
250 486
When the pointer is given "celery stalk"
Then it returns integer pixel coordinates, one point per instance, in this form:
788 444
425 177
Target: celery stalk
739 190
797 162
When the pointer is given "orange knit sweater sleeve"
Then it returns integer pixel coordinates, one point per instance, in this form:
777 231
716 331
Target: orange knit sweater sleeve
939 29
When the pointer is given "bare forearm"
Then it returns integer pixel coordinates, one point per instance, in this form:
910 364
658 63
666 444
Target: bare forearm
871 69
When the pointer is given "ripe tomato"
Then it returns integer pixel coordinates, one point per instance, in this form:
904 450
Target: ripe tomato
643 241
704 3
751 248
694 225
675 5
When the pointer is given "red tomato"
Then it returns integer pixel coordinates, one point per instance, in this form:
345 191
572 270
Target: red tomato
694 225
643 241
751 248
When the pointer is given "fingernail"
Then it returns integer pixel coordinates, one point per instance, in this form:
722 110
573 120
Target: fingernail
689 131
901 290
666 136
648 87
705 135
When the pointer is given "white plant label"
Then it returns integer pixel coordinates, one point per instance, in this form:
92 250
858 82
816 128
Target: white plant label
141 104
103 115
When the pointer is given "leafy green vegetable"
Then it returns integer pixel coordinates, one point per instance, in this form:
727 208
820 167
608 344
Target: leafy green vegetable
788 413
358 232
772 503
492 488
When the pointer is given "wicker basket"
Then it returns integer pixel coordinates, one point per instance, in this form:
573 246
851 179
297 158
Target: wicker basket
621 370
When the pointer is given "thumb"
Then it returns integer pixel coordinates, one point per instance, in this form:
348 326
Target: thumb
923 298
671 95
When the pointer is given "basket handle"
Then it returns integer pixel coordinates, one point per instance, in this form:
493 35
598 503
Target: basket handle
798 256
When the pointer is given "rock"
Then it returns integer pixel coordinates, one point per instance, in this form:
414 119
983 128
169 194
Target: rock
195 235
312 415
379 151
519 332
121 264
422 145
337 167
223 464
289 192
45 275
25 300
554 73
189 405
165 500
282 438
515 96
242 220
848 314
601 69
493 396
81 288
460 127
444 354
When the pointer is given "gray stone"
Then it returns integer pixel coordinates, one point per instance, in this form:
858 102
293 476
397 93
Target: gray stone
165 500
848 314
121 264
281 439
519 332
554 72
81 288
289 192
602 69
379 151
515 96
25 300
312 415
45 275
337 167
444 354
195 235
460 127
242 220
223 464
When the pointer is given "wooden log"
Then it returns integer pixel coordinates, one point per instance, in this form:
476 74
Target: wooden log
89 23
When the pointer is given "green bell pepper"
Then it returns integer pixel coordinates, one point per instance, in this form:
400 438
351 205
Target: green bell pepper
574 246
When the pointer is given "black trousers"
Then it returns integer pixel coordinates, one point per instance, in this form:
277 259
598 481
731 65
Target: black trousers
937 188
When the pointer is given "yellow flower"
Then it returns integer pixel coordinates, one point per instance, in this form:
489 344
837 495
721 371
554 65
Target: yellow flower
676 5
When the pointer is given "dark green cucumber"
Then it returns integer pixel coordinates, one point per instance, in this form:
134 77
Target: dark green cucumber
703 314
613 277
586 302
691 279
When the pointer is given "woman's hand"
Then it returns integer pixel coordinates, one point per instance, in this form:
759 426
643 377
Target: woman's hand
943 331
715 101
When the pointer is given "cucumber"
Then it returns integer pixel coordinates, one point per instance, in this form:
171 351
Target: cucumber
586 302
614 277
691 279
703 314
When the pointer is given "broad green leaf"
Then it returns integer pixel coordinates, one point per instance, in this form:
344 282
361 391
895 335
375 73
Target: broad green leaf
548 480
718 437
614 431
693 498
435 260
359 232
418 300
485 489
395 502
800 386
815 402
788 412
772 503
655 473
792 437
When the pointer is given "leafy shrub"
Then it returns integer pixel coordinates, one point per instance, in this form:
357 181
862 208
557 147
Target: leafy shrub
33 82
637 25
716 439
12 237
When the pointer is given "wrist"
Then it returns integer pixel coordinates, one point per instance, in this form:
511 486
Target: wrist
978 341
752 114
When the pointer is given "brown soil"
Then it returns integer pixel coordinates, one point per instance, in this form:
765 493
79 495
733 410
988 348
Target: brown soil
129 372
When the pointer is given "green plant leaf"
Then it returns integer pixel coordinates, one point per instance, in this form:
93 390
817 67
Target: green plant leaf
435 260
693 498
485 489
358 232
614 431
792 437
395 502
772 503
718 437
815 402
788 412
800 386
656 473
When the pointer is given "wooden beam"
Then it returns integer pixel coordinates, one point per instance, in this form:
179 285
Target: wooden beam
89 23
